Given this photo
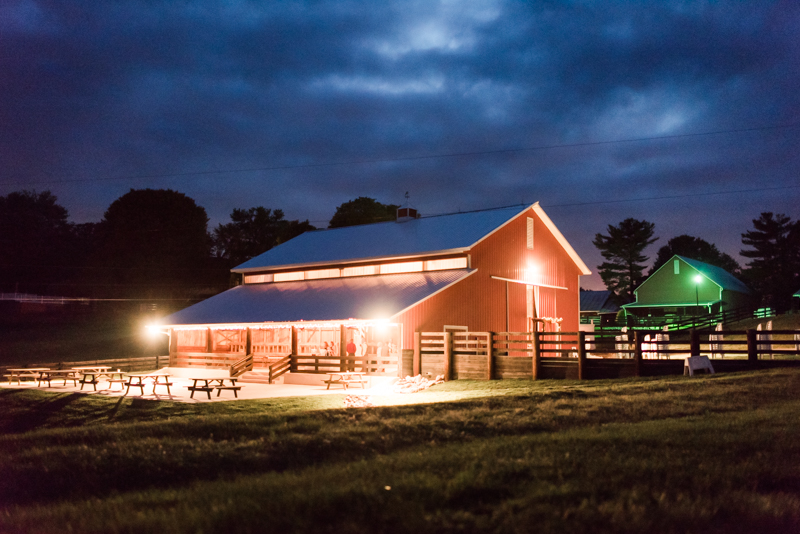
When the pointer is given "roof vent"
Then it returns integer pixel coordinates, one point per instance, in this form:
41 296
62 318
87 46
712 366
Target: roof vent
406 212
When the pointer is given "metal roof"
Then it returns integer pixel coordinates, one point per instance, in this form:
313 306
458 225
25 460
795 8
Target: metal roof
671 304
427 235
719 276
597 301
366 297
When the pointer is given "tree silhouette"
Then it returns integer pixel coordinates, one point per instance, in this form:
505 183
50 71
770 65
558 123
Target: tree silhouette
363 210
35 240
622 248
696 249
153 243
774 269
252 232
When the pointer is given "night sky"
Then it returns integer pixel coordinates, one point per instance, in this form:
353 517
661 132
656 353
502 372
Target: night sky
686 114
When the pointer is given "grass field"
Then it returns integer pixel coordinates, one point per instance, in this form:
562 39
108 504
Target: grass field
718 453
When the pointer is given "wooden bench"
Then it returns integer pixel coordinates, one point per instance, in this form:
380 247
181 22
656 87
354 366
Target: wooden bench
20 376
235 390
58 374
193 389
116 377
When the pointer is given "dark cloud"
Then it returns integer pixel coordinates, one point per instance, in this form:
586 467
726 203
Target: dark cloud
114 92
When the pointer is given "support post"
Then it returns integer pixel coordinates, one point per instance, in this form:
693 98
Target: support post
752 346
342 347
293 355
209 340
637 353
448 354
490 357
694 343
173 348
417 361
537 360
581 355
248 343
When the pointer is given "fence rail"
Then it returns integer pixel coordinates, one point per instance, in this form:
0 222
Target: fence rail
141 363
486 355
369 365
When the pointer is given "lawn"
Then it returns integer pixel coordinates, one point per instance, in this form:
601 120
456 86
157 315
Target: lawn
717 453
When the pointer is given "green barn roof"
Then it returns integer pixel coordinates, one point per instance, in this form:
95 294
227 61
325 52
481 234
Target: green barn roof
719 276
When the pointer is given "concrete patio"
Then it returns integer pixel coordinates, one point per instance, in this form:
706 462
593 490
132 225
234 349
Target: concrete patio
180 381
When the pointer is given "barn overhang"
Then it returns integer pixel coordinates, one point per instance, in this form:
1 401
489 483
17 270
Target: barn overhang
357 299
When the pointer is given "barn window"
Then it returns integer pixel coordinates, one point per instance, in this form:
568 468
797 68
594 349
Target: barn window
530 233
452 263
676 266
257 278
289 277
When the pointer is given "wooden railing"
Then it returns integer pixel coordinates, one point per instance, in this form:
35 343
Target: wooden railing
205 359
369 364
280 368
242 366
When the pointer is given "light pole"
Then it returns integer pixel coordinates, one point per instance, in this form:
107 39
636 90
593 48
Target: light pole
697 280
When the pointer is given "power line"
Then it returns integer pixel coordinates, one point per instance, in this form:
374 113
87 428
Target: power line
667 197
407 158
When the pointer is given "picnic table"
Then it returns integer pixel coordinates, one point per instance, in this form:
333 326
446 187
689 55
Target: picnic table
24 372
137 380
345 379
91 374
54 374
208 385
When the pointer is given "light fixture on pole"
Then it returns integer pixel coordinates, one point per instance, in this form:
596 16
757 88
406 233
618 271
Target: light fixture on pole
697 280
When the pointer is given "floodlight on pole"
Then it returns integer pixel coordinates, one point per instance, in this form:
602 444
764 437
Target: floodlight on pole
697 280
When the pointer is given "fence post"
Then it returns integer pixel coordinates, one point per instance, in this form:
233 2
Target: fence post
694 343
490 356
416 363
581 355
293 350
536 360
448 354
752 346
637 353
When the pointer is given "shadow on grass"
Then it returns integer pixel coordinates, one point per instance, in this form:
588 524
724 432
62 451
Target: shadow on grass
36 413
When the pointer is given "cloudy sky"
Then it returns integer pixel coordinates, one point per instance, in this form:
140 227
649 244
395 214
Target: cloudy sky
686 114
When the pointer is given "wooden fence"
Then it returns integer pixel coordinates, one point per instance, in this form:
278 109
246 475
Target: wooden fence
582 355
128 365
369 365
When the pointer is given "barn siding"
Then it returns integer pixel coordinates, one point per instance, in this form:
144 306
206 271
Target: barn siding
479 301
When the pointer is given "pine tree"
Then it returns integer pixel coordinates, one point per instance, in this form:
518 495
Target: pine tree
622 248
774 269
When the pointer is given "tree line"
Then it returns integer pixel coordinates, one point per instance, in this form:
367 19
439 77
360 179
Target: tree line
150 244
773 271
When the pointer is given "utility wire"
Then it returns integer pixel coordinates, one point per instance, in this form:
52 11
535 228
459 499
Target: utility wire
407 158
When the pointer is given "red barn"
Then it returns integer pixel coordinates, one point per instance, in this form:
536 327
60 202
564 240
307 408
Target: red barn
372 286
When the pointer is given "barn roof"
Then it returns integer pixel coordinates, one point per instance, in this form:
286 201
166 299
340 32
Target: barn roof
719 276
440 234
597 301
367 297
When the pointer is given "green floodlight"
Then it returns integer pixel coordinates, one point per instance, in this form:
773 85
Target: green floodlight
698 279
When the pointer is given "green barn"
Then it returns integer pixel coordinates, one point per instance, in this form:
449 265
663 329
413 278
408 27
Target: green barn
683 288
